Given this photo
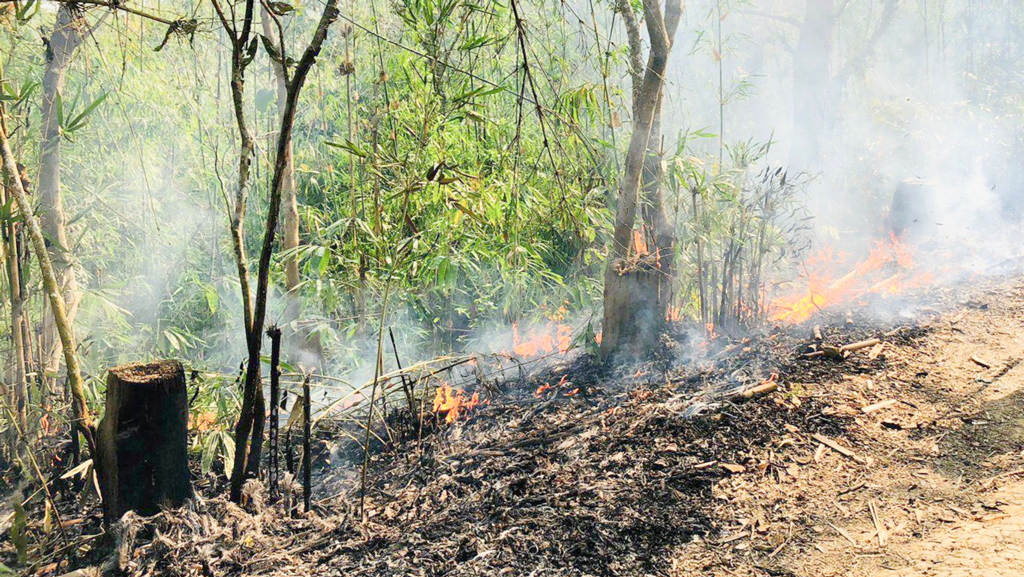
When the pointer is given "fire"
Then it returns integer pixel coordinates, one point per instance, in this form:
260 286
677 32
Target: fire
639 242
824 291
454 402
549 339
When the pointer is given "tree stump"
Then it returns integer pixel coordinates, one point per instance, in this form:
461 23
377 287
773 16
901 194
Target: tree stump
142 441
636 304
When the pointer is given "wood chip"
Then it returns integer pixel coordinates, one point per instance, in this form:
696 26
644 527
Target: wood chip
759 390
981 362
878 406
732 468
876 351
839 448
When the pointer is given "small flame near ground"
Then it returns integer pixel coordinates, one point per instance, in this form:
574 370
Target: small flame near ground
825 289
454 402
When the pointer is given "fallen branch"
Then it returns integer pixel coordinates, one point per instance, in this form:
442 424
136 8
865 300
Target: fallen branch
853 347
878 406
879 526
981 362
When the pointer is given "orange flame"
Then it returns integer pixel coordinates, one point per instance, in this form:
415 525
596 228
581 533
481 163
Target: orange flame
454 402
823 291
549 339
639 242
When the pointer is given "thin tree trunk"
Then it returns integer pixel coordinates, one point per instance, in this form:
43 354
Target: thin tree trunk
17 326
251 417
628 319
79 407
67 36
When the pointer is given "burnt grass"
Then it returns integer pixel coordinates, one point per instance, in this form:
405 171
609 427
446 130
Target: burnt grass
577 470
603 482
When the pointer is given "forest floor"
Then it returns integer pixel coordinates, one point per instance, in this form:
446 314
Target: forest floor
940 490
905 459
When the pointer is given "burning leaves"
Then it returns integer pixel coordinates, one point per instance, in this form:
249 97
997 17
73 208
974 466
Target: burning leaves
454 402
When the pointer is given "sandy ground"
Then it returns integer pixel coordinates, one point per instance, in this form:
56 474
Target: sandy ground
935 486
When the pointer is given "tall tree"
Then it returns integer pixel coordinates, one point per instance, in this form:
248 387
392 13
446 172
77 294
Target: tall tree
638 273
67 35
249 429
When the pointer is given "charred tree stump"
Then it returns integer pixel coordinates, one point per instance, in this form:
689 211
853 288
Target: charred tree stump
636 305
142 441
273 467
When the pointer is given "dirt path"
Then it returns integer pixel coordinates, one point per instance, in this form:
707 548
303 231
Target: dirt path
989 545
935 484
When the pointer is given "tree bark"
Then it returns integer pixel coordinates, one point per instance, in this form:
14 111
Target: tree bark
17 325
142 441
635 292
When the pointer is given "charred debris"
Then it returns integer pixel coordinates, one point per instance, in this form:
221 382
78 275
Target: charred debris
565 463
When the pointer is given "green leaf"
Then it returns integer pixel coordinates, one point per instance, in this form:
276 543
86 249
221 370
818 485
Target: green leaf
325 260
212 298
280 8
80 120
350 147
210 445
229 451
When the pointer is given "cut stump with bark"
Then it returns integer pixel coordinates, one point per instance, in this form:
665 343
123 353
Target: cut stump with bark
142 441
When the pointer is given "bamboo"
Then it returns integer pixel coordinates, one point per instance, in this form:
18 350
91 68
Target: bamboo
79 406
273 472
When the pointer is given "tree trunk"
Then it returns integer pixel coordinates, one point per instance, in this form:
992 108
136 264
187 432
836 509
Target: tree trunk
299 340
67 36
142 441
635 291
251 416
17 325
79 408
810 83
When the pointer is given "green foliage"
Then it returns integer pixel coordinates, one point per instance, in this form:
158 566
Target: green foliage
19 535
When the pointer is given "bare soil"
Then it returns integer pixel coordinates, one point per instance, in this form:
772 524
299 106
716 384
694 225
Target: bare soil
944 486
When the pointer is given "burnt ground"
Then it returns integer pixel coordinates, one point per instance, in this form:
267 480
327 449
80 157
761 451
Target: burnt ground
658 473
